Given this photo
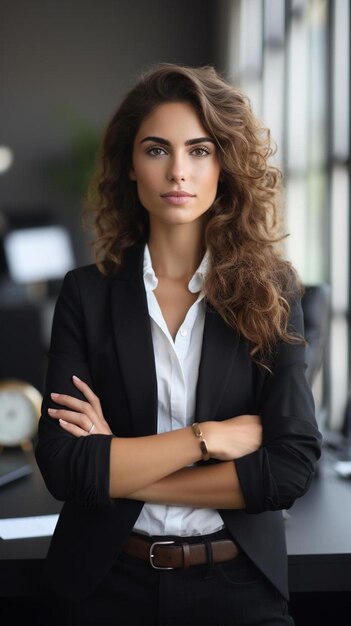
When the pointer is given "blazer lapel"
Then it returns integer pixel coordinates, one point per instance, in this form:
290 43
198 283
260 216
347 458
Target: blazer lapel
133 339
219 348
134 343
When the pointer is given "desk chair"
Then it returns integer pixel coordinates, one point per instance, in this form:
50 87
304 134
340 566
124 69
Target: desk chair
316 310
22 352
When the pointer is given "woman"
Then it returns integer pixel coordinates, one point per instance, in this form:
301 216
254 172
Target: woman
177 422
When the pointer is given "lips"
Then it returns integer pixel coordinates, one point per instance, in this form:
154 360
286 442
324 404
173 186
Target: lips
177 198
177 194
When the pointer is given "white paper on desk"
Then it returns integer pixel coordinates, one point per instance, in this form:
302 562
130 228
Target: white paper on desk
23 527
343 468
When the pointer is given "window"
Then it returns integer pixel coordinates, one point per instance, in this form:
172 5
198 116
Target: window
292 60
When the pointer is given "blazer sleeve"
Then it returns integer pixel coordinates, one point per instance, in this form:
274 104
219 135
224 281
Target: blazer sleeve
74 469
282 469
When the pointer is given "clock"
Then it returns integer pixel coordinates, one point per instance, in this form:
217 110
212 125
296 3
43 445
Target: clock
20 408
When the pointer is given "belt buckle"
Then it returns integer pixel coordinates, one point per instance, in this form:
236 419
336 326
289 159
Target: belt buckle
151 555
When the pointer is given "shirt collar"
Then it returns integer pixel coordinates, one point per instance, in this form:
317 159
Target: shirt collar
195 284
150 279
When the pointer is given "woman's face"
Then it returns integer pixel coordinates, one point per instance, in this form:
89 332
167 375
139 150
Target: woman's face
175 165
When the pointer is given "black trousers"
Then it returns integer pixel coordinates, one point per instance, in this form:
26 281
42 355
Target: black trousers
234 593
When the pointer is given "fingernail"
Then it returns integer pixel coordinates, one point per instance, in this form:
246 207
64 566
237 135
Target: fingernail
54 395
62 421
52 410
75 378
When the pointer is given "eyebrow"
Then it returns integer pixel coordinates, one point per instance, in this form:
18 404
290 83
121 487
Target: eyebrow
189 142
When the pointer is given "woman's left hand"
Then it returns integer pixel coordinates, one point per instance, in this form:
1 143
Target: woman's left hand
80 418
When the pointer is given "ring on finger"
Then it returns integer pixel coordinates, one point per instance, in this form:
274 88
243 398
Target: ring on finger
91 429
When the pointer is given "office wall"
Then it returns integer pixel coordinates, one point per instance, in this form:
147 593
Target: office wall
63 66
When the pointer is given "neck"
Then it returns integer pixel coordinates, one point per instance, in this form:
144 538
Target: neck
176 252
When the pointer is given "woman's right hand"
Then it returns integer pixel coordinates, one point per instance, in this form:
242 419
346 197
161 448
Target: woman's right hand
233 438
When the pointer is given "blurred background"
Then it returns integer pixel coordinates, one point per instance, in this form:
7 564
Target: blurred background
64 64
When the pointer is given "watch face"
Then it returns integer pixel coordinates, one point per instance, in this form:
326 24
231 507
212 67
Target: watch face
18 417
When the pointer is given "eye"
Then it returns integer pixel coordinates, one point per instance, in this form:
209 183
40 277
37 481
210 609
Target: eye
200 151
156 151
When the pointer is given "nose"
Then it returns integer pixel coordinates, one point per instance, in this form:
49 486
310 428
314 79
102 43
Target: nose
176 170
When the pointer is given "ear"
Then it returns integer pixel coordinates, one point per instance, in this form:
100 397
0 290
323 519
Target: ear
131 174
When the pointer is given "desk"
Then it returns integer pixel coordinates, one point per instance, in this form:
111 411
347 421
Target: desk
21 559
317 526
318 532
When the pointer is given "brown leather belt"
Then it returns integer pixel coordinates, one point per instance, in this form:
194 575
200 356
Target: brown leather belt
172 554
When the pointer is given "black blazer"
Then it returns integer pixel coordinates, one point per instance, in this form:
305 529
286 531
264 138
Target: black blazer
101 332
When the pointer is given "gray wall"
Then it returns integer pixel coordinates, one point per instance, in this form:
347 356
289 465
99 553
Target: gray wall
64 62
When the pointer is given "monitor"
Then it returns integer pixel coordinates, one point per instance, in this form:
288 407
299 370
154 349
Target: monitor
38 254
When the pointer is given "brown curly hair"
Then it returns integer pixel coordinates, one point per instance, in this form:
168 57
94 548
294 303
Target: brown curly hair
248 283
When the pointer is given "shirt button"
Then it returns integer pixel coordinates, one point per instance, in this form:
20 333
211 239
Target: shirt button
183 332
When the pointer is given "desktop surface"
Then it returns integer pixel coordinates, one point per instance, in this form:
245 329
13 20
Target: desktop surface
317 530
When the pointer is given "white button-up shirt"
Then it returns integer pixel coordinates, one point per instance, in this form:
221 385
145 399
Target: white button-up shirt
177 368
